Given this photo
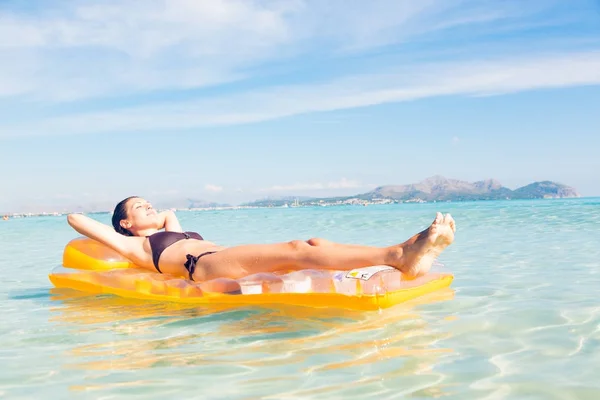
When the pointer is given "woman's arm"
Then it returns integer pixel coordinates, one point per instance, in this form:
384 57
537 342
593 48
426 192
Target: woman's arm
102 233
170 222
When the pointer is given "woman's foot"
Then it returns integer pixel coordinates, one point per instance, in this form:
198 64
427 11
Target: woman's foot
415 256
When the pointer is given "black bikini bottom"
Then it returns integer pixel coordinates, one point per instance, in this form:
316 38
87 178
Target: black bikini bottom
190 264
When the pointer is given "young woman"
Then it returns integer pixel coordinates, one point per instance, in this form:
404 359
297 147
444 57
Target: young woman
156 241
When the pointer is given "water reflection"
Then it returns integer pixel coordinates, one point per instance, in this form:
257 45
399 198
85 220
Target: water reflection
283 343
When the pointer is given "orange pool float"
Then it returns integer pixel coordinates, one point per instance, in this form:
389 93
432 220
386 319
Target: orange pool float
90 266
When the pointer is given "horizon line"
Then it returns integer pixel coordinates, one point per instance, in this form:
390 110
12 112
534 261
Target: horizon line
240 206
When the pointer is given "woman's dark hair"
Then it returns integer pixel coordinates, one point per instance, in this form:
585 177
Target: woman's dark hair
119 214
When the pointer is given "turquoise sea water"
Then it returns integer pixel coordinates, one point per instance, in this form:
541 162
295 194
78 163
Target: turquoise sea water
521 320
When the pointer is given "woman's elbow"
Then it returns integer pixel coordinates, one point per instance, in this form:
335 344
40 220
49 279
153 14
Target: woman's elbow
72 219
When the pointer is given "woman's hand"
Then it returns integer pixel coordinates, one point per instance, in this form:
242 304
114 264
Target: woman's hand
169 222
102 233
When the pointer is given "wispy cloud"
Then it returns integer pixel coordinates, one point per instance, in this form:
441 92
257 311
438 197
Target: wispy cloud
213 188
484 78
73 50
82 49
155 59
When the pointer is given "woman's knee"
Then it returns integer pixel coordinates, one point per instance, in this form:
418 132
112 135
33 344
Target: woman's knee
318 242
302 248
298 245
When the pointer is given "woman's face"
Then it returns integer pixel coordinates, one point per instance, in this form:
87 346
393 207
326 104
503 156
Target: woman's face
140 215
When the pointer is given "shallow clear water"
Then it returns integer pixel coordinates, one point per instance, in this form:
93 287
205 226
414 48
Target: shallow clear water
521 319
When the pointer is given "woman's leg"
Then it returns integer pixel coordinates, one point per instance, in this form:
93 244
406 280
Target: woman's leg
413 257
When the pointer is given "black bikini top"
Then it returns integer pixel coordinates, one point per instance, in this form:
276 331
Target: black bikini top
159 241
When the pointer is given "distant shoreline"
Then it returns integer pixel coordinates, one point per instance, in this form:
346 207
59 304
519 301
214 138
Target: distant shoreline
436 188
231 208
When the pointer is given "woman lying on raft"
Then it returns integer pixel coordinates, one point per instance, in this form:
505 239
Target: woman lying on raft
156 241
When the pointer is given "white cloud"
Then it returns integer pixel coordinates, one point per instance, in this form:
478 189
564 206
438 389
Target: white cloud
213 188
473 78
455 140
140 52
88 49
341 184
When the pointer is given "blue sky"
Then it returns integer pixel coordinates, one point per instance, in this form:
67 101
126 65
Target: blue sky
237 100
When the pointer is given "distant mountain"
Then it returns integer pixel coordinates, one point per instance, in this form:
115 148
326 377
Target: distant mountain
439 188
435 188
545 190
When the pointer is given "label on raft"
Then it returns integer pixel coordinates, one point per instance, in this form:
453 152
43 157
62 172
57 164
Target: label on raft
366 273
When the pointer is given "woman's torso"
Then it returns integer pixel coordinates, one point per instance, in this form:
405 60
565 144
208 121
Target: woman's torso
173 257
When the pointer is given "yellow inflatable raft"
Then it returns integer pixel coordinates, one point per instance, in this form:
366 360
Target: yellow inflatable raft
92 267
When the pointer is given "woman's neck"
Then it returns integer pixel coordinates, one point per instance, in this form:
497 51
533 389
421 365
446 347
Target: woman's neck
144 232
